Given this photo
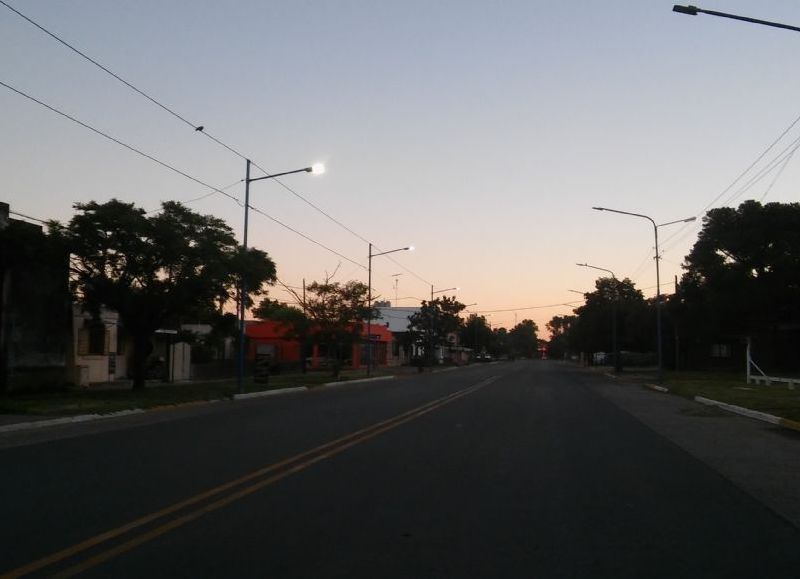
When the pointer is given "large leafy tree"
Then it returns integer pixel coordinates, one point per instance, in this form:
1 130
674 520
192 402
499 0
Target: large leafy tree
431 327
523 340
559 328
476 333
332 316
743 278
743 273
156 270
592 328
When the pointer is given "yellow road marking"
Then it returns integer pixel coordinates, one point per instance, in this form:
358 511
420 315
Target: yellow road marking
333 447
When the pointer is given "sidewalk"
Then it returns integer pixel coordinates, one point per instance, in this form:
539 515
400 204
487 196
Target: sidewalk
758 457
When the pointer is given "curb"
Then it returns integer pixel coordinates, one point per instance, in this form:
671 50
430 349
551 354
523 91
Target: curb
755 414
359 381
657 388
68 420
264 393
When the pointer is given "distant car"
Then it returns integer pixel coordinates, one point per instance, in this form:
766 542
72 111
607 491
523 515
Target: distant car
483 358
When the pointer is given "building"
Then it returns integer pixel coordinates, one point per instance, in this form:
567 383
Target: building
396 320
35 317
284 349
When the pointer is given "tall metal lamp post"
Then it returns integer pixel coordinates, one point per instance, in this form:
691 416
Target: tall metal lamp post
369 299
658 277
316 169
614 342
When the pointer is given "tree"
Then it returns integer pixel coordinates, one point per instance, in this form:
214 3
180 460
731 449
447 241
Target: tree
431 327
292 319
559 328
156 270
592 329
744 269
523 340
476 333
334 315
500 345
743 274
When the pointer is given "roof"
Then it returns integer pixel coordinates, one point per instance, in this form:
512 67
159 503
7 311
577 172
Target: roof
396 318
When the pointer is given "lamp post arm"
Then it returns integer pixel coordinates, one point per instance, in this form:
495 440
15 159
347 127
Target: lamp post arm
304 170
687 220
598 268
694 11
650 219
392 251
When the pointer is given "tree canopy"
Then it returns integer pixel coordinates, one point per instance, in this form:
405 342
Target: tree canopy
332 316
156 270
523 339
431 326
592 328
743 273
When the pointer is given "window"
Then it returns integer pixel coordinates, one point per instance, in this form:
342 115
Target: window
92 339
721 351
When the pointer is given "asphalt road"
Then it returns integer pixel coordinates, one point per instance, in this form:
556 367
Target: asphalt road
506 470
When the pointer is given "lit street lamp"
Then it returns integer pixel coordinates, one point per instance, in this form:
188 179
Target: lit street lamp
614 343
658 276
694 11
369 299
442 291
316 169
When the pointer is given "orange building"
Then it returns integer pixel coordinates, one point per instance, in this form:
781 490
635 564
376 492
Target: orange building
275 337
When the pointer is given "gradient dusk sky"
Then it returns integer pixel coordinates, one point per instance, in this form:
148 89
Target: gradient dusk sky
482 133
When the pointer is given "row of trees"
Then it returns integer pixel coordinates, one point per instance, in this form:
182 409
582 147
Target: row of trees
741 280
159 270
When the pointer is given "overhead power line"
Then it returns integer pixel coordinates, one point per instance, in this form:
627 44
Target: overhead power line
27 217
122 80
198 128
567 304
175 170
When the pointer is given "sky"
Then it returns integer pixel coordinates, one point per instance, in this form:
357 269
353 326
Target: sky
481 133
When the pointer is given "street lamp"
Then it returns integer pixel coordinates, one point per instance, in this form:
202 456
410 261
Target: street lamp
315 169
369 299
443 290
614 344
658 276
694 11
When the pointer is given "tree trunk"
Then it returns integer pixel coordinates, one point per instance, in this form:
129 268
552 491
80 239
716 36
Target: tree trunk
142 347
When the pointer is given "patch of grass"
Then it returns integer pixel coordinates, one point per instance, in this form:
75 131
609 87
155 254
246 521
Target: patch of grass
732 388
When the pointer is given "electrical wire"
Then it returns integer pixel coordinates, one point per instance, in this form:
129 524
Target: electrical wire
567 304
27 217
682 231
777 176
122 80
176 170
209 194
198 128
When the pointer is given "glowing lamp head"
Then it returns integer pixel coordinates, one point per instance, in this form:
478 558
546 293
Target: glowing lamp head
317 168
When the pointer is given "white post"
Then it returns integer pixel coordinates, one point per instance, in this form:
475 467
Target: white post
748 360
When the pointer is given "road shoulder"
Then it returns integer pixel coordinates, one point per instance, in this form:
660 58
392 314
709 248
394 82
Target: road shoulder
759 457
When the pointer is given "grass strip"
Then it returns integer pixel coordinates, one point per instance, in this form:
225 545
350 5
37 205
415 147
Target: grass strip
731 388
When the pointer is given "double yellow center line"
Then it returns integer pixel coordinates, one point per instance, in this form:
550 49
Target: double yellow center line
183 512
